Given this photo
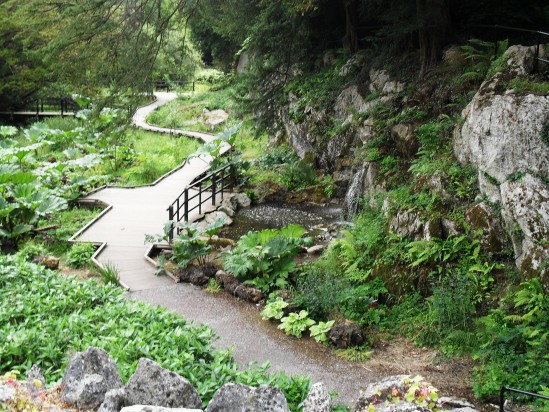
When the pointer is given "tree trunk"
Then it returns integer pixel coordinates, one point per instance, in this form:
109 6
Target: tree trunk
433 18
351 40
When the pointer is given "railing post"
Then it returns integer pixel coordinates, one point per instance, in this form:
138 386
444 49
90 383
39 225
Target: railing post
186 205
213 188
222 183
37 107
501 398
178 209
536 56
200 198
170 218
232 172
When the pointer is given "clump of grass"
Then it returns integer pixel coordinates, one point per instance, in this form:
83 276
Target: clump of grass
157 155
213 286
358 354
109 274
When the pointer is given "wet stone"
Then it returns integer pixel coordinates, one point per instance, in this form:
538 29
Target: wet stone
346 335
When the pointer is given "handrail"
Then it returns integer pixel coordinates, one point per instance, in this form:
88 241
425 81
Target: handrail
220 180
504 389
538 33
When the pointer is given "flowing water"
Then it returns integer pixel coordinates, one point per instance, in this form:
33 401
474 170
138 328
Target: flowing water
354 193
275 216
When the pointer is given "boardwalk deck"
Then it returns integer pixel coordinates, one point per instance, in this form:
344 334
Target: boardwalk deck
136 212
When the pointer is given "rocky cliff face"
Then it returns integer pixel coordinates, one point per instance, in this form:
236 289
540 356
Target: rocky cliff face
504 135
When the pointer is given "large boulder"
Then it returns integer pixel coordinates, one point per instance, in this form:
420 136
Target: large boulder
380 82
233 397
345 335
88 377
377 391
409 224
389 395
481 216
520 59
526 212
318 399
151 384
502 135
505 137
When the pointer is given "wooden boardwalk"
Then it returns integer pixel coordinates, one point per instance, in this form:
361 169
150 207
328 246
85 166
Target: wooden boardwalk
135 212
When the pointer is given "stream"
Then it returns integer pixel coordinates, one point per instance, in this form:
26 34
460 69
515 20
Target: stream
274 216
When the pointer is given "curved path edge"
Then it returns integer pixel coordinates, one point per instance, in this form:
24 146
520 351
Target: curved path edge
131 212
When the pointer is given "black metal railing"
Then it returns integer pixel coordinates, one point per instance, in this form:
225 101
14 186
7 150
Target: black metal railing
62 105
173 84
538 40
207 189
519 391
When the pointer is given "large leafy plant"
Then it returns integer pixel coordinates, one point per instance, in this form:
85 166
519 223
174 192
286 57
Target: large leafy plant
264 259
190 245
23 203
296 323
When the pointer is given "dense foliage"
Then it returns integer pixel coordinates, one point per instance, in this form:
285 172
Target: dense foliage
45 167
51 315
265 259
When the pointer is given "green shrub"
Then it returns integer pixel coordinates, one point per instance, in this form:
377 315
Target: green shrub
274 309
320 331
318 290
296 323
297 175
277 155
265 259
80 254
513 343
51 316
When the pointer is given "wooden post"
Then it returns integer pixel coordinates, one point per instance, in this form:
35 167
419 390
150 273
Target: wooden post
222 182
178 208
232 172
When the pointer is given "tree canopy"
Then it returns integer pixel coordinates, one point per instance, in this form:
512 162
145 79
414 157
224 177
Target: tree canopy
121 45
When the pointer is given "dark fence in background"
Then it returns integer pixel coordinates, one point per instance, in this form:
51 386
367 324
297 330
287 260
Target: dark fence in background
537 37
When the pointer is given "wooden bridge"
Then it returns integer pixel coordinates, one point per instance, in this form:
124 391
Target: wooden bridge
52 106
131 213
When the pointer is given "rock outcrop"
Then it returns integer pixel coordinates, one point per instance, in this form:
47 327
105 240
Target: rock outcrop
505 137
151 384
389 395
318 399
233 397
88 377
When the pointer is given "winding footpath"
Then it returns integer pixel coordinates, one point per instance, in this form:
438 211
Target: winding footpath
134 212
131 213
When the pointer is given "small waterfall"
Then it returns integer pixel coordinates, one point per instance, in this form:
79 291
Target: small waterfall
354 193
